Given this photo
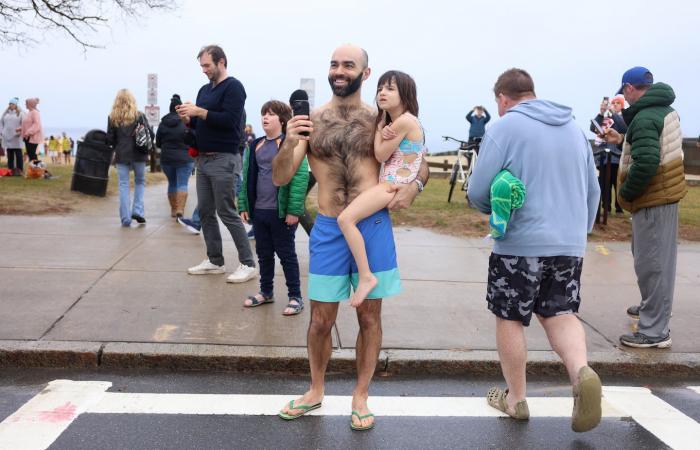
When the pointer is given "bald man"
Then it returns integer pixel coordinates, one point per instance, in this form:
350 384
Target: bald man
338 140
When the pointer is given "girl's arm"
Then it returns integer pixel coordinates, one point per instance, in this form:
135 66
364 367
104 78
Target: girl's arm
383 148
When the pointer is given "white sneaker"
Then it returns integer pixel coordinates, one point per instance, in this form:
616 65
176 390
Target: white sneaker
242 274
205 268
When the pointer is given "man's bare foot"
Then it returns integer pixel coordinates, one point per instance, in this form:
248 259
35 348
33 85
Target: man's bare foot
364 287
301 405
362 417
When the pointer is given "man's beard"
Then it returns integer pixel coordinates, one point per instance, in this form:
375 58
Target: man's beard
214 75
350 88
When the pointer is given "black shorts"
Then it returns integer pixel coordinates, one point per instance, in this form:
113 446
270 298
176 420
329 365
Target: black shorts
520 285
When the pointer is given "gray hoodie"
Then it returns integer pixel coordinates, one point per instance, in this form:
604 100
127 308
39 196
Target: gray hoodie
539 142
9 122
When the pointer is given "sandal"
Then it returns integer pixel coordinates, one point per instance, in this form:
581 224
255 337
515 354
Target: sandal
360 427
304 409
587 393
297 306
496 398
255 301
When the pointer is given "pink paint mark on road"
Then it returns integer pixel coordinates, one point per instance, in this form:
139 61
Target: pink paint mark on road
63 413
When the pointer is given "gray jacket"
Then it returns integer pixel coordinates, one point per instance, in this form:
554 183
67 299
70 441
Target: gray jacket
121 139
9 122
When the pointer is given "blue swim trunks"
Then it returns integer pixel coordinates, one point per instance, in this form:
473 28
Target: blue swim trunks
332 268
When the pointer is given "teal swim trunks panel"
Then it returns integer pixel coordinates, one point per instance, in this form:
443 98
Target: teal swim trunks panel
332 269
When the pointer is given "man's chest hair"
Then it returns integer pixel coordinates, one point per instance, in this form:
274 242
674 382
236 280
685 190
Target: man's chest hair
343 133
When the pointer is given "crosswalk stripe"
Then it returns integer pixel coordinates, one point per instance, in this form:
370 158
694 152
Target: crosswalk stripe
667 423
694 388
40 421
269 405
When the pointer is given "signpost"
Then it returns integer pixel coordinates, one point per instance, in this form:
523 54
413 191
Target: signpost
153 112
309 85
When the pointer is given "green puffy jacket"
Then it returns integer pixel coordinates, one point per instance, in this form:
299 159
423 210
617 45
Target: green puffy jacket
290 197
651 166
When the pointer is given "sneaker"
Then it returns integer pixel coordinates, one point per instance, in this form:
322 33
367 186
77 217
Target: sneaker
190 225
138 218
242 274
639 340
205 268
633 312
251 234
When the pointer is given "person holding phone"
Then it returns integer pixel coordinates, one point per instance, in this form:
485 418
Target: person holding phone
602 150
215 118
274 211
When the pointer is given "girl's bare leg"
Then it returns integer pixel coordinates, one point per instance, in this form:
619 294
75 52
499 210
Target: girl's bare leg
363 206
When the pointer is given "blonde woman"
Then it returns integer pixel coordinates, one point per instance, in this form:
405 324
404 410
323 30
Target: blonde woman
120 136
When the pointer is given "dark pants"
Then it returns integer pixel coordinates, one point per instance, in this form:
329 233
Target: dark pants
14 159
215 178
273 235
605 196
31 150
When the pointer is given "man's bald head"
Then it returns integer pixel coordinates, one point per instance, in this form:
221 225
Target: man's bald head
353 52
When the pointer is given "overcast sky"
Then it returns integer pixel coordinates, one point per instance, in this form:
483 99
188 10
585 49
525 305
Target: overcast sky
455 50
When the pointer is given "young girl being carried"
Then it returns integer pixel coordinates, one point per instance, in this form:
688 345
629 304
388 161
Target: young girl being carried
399 145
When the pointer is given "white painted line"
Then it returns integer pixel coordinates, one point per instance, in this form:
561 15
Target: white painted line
40 421
671 426
694 388
269 405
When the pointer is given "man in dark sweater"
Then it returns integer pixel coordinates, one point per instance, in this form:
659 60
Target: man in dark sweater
216 119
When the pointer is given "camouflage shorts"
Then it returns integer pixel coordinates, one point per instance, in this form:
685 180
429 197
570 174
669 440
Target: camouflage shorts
519 285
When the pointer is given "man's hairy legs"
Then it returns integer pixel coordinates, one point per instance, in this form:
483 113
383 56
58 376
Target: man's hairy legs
369 341
566 336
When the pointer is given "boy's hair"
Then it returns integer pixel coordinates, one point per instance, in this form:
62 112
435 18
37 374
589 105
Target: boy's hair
407 91
281 109
514 83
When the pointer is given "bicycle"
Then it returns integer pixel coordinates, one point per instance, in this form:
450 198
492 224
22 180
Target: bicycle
469 151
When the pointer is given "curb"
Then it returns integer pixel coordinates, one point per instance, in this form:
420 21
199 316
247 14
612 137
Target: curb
124 355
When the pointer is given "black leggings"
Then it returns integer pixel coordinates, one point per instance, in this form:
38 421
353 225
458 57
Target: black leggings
14 159
31 150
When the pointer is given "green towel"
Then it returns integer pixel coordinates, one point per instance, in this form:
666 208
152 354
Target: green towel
507 194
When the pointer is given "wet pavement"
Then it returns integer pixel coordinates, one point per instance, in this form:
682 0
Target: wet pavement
83 278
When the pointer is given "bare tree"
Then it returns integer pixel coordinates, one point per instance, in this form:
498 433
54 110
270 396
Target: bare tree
25 22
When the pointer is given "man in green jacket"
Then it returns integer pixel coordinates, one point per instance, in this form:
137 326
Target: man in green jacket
274 211
651 183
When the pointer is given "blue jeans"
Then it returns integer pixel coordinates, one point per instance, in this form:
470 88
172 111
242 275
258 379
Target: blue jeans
125 212
178 176
273 235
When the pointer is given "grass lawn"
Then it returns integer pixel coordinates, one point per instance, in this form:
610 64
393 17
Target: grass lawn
19 195
431 210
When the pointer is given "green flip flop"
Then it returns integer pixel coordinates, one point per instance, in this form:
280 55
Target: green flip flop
304 409
359 427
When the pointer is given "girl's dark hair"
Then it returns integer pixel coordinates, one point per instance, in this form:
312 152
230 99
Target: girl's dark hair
281 109
407 92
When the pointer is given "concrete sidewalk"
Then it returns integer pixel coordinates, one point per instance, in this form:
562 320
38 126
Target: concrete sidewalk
82 291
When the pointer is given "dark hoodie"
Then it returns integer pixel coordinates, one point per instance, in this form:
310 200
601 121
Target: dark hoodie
170 138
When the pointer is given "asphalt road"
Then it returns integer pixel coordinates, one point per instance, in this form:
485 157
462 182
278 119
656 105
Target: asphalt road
134 429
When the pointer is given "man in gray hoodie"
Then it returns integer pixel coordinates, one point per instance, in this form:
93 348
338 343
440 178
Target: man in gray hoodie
536 267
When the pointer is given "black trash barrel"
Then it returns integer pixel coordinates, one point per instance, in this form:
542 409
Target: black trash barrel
92 161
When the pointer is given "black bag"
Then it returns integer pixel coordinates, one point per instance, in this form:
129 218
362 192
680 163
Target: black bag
142 136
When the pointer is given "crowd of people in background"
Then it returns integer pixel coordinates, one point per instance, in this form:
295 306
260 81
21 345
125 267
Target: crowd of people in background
23 141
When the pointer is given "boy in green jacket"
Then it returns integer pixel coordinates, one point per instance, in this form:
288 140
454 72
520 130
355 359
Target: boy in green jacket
274 211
